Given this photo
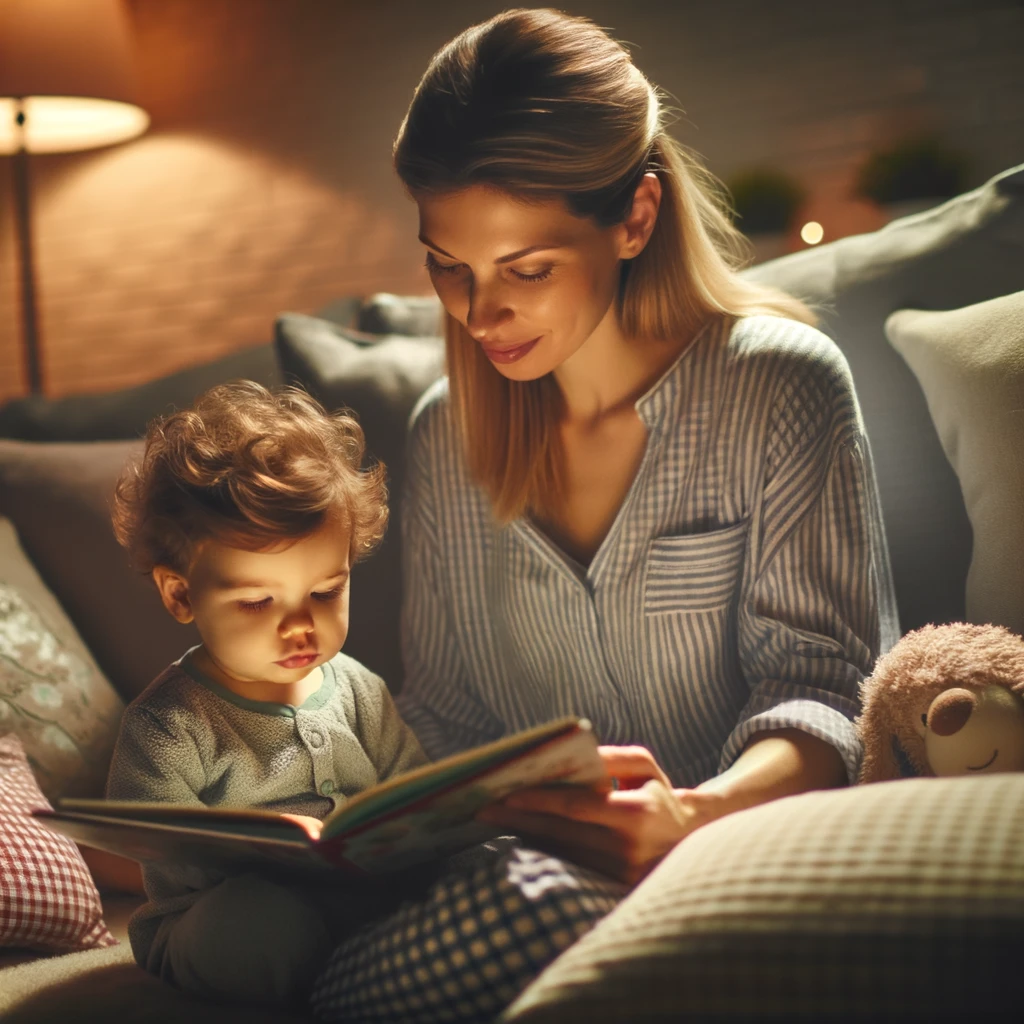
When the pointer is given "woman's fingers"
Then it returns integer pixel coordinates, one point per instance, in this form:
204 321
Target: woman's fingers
593 846
628 831
632 766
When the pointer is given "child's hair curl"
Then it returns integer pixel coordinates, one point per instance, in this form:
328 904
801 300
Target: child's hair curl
247 467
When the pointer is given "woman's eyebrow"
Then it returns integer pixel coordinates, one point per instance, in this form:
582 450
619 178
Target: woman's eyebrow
510 258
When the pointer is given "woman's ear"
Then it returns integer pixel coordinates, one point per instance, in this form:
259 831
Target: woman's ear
173 589
639 223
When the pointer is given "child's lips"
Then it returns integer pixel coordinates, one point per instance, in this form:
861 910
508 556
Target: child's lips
297 660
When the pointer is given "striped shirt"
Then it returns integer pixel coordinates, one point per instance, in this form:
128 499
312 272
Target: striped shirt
743 587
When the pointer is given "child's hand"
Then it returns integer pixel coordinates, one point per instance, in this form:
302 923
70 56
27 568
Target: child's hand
312 826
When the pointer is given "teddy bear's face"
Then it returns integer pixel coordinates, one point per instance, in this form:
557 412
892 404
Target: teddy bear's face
971 731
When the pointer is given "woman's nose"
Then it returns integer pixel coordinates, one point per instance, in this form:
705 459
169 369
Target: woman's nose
488 311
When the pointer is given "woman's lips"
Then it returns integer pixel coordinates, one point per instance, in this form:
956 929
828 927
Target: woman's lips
297 661
509 355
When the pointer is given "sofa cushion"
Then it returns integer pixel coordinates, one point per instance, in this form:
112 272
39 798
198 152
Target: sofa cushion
966 251
900 900
47 897
53 696
57 496
970 365
380 379
125 413
104 986
411 315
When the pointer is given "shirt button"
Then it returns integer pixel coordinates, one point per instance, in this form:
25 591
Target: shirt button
315 739
327 787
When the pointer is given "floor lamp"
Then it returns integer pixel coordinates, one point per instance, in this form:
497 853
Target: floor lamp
66 83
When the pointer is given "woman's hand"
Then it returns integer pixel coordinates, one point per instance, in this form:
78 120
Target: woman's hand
623 832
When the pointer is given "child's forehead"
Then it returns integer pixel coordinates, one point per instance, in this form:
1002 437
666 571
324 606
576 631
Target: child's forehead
321 554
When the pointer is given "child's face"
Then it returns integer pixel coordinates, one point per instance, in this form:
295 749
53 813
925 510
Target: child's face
268 616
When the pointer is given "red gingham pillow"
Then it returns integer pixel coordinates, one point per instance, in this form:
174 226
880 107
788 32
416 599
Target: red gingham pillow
48 900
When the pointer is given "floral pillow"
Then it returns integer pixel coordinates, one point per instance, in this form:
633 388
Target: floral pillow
52 694
48 900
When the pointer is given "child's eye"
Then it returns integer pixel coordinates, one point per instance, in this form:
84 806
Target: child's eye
328 595
255 606
434 266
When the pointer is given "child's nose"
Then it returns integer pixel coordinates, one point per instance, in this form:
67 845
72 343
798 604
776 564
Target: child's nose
296 624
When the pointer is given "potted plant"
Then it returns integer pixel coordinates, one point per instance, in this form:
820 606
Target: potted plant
765 202
912 175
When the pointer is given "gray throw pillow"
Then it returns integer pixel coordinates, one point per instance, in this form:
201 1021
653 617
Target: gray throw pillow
417 316
57 495
380 379
970 364
966 251
124 413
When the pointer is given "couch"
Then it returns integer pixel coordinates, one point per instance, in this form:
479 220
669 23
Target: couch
897 900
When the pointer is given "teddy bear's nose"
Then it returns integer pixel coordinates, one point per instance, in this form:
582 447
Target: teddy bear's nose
949 711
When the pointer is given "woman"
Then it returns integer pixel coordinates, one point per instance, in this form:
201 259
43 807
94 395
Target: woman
645 494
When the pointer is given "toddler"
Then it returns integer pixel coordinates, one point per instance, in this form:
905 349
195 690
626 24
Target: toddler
248 512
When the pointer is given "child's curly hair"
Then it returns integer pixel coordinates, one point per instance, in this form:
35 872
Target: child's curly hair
248 467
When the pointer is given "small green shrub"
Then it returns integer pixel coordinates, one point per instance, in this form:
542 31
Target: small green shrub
764 200
921 168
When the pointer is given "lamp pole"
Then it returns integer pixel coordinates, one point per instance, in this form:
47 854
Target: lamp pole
23 227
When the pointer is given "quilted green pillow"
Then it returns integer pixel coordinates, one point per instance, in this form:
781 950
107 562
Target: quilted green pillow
53 696
896 901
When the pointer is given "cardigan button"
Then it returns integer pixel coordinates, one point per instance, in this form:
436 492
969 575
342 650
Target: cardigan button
327 787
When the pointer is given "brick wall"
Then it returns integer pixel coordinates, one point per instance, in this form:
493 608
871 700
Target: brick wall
264 183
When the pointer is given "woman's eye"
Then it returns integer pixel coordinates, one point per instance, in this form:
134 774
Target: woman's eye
434 266
328 595
541 275
255 606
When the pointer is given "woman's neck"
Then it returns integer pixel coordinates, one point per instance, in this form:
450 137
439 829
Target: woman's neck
611 372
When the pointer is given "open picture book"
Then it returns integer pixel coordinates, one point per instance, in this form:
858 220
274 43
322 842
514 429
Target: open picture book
414 817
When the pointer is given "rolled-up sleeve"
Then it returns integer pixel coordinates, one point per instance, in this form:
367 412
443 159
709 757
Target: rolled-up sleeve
819 605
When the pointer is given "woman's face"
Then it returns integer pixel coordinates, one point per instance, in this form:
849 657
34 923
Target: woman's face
530 281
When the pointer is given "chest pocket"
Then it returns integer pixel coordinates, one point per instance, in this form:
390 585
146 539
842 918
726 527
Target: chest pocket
696 572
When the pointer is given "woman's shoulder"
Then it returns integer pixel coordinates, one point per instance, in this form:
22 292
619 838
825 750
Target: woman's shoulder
430 426
777 347
778 338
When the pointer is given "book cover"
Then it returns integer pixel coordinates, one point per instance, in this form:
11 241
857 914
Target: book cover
414 817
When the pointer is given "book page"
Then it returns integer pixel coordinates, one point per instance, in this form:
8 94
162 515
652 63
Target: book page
409 787
443 822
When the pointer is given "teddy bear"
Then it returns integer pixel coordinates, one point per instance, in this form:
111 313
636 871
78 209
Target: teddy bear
946 700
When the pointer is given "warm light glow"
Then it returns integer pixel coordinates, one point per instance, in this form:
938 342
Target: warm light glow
812 232
60 124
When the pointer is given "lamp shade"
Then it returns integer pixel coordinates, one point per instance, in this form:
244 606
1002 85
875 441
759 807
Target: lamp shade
67 65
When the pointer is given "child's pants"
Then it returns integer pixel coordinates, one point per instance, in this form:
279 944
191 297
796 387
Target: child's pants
455 947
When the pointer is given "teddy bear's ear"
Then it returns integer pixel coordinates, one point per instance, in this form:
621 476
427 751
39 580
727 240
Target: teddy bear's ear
877 735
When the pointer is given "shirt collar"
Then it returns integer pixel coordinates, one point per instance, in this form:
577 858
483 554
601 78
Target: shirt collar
660 404
316 700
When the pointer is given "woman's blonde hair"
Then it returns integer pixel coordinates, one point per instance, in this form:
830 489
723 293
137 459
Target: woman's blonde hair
545 105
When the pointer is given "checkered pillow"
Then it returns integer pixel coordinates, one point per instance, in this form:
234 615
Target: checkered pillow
894 901
48 900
